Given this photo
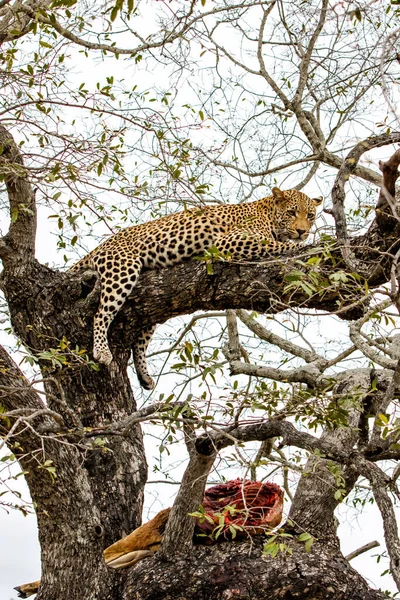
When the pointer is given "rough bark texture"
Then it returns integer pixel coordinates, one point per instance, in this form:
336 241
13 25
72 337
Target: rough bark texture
239 571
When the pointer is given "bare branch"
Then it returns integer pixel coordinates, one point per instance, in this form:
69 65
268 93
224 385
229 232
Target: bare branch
169 37
379 483
389 41
364 344
309 356
305 62
361 550
263 70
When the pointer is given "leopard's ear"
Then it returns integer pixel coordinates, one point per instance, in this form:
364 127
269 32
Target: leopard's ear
278 194
317 201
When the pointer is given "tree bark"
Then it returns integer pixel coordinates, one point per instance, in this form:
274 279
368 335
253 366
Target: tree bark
239 571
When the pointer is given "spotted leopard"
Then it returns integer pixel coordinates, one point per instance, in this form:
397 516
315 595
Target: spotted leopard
246 231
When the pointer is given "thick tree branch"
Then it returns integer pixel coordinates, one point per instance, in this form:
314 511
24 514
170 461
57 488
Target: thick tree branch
233 350
180 527
387 206
16 20
267 429
239 570
20 239
338 191
323 483
307 374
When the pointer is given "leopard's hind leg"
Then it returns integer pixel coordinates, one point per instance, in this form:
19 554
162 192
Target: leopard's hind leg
139 350
118 275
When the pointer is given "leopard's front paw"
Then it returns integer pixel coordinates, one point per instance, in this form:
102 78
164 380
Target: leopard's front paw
102 355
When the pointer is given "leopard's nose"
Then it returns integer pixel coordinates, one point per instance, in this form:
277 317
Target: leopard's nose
301 232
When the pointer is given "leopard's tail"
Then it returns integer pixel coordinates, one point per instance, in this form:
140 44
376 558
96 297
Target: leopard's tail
139 349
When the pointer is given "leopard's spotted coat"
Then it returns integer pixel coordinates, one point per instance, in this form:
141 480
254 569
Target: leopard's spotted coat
246 231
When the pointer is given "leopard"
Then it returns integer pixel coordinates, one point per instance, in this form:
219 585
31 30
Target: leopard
248 231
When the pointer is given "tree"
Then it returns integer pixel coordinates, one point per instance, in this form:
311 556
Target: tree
285 90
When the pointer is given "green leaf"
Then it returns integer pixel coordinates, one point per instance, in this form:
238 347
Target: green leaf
233 531
383 418
294 276
303 537
308 544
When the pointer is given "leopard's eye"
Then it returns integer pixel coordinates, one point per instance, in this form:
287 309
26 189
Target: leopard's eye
292 213
310 216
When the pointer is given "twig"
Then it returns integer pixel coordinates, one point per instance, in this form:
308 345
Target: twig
362 549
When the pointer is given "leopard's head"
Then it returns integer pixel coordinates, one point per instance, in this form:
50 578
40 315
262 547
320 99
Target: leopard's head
295 214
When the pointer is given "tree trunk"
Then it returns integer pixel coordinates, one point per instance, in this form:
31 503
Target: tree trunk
239 571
